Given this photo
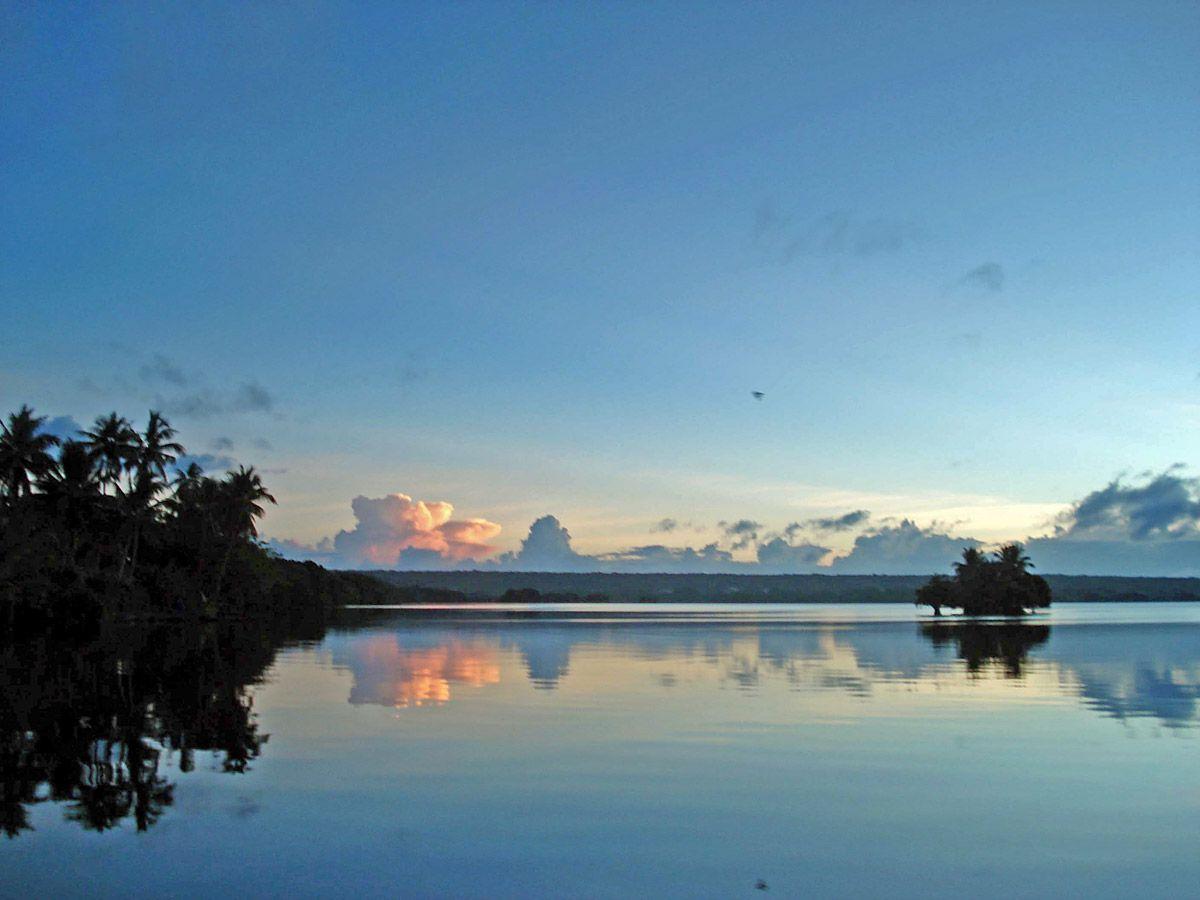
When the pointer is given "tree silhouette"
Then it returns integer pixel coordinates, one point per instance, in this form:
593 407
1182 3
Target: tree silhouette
114 445
1001 585
24 452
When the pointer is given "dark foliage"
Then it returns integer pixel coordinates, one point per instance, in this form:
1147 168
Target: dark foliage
101 723
999 585
979 643
109 527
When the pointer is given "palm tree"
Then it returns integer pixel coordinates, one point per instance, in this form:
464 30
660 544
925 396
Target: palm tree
972 559
1013 556
24 452
243 493
114 445
157 449
240 503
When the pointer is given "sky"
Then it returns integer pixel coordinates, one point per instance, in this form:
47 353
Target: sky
441 271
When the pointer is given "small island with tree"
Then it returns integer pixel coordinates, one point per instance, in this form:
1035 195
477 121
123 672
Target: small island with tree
996 585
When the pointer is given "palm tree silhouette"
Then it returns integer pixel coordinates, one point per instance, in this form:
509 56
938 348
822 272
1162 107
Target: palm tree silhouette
1013 556
114 445
24 451
240 503
157 448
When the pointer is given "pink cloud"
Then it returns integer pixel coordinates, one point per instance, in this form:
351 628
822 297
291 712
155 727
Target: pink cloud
388 526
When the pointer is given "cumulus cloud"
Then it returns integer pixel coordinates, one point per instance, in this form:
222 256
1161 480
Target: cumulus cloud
664 525
387 527
1165 507
547 548
1146 528
903 549
777 555
987 277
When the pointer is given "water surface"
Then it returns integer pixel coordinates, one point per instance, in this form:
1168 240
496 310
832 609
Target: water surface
615 751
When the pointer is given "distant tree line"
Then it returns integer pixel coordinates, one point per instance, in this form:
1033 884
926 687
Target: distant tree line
996 585
109 522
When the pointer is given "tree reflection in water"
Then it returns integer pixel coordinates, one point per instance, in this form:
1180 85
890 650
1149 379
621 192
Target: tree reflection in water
94 723
979 643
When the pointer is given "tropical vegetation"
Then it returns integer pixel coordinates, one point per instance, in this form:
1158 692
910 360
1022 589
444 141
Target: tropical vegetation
117 521
999 584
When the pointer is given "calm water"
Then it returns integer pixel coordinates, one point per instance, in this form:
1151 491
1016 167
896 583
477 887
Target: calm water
613 751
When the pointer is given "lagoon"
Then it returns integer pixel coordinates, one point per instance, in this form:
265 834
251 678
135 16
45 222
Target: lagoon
614 750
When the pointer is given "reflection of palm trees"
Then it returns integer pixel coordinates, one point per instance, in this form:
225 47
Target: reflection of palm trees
89 730
977 643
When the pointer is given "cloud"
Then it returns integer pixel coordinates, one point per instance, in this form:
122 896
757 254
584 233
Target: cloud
209 462
387 527
161 369
903 549
659 558
777 555
1146 528
250 397
65 428
1165 507
835 234
843 522
547 548
223 443
253 397
1149 525
988 276
744 532
262 444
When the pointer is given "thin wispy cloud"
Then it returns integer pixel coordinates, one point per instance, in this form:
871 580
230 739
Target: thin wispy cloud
986 277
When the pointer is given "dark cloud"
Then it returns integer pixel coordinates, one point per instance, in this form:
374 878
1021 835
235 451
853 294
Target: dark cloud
253 397
262 444
903 549
1167 507
198 406
664 525
743 532
223 443
777 555
843 522
161 369
839 234
988 277
250 397
659 558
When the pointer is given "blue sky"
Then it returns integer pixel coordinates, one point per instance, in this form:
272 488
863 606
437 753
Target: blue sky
533 259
